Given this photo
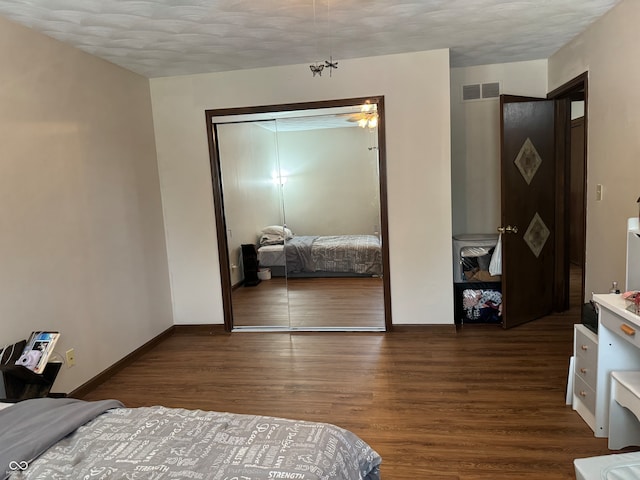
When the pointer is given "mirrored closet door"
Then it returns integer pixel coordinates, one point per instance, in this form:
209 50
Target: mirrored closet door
248 156
299 195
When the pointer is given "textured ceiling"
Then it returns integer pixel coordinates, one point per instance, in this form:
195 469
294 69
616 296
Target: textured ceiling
159 38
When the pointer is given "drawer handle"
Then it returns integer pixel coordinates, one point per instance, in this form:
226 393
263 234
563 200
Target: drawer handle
583 370
584 347
628 330
583 393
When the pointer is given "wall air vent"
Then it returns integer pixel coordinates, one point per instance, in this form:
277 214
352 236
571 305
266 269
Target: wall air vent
480 91
470 92
490 90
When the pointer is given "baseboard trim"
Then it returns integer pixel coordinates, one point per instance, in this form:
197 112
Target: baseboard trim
105 375
200 329
429 328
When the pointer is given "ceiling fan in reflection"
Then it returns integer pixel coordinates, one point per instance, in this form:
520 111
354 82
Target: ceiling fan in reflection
367 117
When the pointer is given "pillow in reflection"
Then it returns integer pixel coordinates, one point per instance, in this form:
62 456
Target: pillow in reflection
278 230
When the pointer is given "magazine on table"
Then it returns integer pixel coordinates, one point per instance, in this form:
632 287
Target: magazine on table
38 350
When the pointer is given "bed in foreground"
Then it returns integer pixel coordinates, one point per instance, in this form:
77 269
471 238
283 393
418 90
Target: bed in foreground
68 438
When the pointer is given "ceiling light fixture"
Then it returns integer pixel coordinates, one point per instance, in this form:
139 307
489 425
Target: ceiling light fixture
318 67
371 121
367 117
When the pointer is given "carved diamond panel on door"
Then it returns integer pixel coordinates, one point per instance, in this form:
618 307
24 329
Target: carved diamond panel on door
536 235
528 161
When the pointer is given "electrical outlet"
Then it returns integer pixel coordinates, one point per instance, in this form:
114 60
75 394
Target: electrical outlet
71 358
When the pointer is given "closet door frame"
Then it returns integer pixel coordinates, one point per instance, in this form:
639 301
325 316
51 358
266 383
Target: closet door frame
218 200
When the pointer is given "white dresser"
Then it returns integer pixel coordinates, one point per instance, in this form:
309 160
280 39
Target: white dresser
615 347
585 355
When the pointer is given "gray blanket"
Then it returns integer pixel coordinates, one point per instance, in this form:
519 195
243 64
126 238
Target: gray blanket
30 427
360 254
170 443
298 254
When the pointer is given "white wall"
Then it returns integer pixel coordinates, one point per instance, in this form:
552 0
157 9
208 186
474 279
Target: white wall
333 186
248 156
475 140
416 90
613 150
577 109
82 242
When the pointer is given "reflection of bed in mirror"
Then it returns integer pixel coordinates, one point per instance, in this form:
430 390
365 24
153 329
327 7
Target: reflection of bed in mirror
323 256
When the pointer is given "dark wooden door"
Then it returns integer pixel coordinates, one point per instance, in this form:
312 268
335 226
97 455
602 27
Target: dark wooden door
576 196
528 208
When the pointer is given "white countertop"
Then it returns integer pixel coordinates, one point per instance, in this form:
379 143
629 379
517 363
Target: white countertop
618 305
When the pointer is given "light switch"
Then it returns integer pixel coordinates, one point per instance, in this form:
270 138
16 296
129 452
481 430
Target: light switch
598 192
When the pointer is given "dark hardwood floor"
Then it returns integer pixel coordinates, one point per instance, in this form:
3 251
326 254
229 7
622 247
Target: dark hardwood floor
477 403
343 302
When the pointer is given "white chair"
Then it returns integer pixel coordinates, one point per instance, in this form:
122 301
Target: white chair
624 410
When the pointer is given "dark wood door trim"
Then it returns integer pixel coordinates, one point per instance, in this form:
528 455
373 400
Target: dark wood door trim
216 182
221 228
575 89
576 199
563 135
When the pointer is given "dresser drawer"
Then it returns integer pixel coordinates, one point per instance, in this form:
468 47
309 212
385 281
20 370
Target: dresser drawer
586 346
585 393
622 327
586 369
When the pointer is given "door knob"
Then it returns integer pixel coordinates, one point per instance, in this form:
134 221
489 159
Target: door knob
508 229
